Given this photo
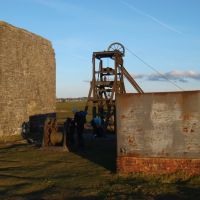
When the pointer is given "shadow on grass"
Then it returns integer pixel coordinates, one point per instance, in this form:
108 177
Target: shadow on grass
11 189
85 198
184 192
12 146
39 194
141 188
9 192
101 151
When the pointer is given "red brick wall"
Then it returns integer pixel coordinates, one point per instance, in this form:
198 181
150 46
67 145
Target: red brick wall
127 164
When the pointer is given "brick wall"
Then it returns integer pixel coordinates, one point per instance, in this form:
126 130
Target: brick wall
158 132
27 77
128 164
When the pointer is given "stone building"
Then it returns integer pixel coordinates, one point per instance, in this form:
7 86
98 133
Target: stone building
27 77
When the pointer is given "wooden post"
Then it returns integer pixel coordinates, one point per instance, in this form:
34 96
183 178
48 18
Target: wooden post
65 148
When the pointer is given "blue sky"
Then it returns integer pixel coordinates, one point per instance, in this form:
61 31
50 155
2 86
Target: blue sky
166 34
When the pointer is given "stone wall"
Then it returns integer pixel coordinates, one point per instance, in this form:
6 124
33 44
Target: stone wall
158 132
27 77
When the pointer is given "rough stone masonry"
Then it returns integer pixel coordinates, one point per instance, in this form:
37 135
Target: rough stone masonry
27 77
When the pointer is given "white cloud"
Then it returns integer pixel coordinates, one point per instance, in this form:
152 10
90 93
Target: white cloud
176 75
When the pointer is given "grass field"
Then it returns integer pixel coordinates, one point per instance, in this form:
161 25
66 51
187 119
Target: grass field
64 109
27 173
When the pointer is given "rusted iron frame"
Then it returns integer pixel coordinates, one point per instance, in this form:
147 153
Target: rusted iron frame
132 81
117 87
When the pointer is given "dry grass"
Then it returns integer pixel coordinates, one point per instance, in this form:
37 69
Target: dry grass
64 109
27 172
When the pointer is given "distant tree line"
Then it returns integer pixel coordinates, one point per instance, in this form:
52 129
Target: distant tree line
71 99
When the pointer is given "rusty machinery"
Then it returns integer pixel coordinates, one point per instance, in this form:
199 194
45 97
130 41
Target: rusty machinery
107 81
51 135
